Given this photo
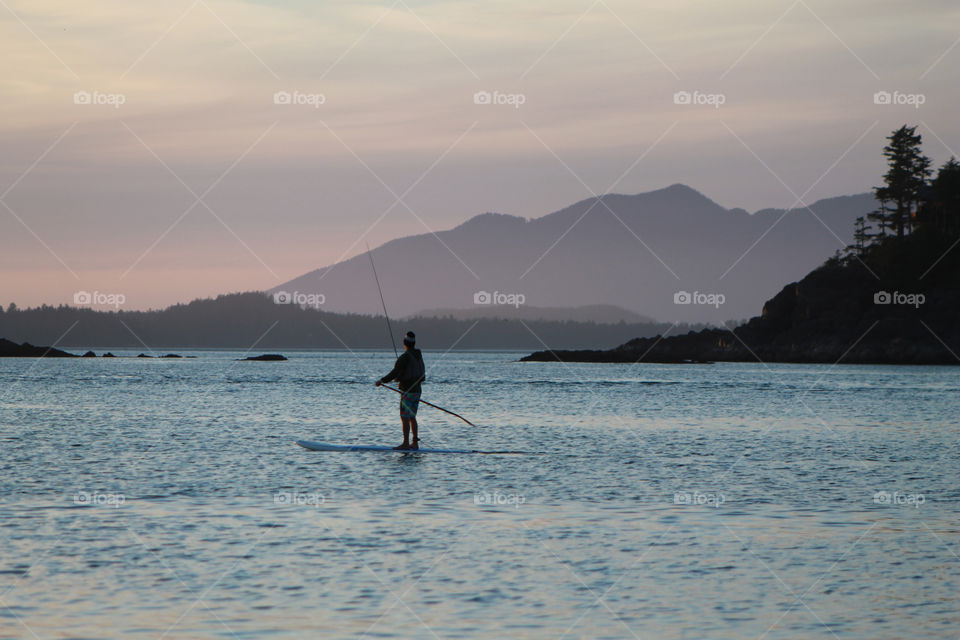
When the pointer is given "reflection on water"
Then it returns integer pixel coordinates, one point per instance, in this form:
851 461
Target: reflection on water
147 499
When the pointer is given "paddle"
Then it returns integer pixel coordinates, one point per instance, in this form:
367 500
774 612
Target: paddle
430 404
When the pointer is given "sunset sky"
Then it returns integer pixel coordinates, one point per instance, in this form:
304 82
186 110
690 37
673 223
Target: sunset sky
144 151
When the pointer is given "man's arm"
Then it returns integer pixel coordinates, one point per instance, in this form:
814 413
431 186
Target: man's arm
398 368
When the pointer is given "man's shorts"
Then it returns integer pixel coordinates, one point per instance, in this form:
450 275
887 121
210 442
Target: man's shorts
409 403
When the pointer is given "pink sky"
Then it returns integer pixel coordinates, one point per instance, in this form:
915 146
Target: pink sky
181 176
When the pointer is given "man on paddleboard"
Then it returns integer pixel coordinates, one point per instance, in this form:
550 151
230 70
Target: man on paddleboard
409 373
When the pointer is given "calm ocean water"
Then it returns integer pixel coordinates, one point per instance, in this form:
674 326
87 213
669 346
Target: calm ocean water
166 499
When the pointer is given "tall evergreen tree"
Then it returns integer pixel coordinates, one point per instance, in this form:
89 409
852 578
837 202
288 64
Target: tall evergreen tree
905 180
882 218
861 236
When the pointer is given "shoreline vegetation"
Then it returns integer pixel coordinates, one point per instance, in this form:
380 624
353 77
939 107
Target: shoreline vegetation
238 320
892 297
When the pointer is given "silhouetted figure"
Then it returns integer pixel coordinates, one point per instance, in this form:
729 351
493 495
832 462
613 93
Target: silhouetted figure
409 373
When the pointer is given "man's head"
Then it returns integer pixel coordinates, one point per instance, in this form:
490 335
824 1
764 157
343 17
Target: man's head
409 340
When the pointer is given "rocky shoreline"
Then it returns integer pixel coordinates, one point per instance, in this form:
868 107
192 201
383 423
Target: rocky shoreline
835 314
9 349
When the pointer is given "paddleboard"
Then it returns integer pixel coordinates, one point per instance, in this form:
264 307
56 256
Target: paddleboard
325 446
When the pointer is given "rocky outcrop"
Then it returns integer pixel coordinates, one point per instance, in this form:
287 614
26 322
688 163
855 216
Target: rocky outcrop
837 313
10 349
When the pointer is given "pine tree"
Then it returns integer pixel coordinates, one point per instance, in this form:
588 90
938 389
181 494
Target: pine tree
904 181
882 218
861 235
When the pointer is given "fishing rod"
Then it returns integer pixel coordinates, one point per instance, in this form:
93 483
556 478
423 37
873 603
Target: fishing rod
390 329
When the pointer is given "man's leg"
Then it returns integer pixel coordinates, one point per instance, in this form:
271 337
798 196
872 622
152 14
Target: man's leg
406 431
413 429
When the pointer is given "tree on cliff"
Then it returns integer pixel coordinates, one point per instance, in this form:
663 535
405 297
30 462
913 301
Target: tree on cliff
904 182
861 237
940 213
882 218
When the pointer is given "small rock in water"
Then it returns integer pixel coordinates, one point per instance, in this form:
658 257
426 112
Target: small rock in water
267 357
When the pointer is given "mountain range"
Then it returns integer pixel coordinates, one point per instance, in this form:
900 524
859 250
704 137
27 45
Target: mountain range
671 254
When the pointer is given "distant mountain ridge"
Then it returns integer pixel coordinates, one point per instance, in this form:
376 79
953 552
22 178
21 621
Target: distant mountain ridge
632 251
